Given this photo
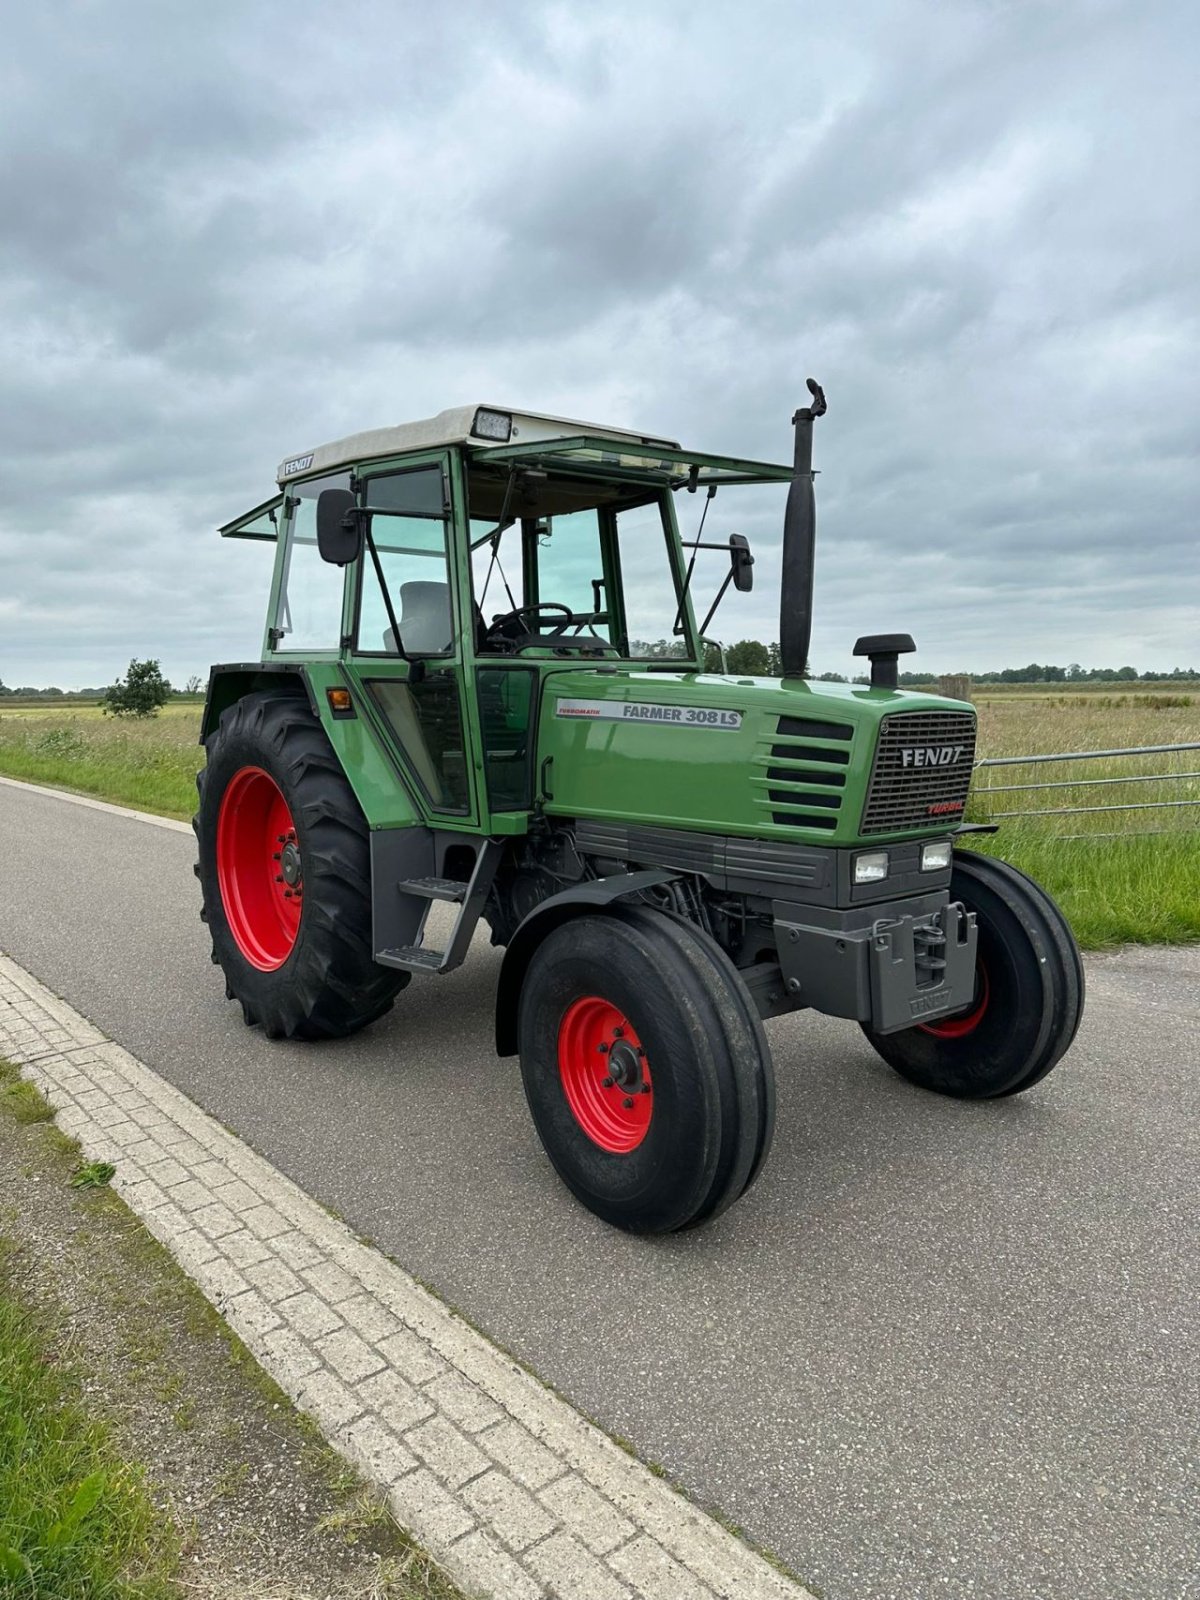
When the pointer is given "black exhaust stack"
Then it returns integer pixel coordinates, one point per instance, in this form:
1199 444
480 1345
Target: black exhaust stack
799 545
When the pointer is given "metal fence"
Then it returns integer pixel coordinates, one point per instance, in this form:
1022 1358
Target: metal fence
1175 804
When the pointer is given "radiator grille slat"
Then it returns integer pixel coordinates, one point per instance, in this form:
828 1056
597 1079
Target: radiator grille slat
914 782
807 797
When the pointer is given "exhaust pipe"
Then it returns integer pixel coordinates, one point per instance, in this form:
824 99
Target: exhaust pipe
799 544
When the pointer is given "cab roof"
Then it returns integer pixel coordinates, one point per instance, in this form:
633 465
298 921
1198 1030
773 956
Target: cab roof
481 425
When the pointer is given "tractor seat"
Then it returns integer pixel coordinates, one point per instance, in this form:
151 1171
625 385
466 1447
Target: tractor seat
425 623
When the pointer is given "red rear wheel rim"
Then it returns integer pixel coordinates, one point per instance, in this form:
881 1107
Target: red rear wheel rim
604 1075
258 868
965 1022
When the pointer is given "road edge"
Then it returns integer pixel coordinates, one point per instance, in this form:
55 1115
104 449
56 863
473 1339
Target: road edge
98 805
514 1493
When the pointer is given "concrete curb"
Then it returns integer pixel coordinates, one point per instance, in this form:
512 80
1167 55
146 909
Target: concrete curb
505 1484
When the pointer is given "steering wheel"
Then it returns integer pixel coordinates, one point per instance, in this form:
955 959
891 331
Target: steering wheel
506 624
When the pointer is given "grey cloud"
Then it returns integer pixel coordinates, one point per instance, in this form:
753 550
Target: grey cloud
225 239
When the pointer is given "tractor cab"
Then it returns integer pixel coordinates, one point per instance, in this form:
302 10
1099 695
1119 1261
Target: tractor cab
449 567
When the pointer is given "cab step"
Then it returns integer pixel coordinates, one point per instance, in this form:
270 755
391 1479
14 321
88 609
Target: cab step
412 898
412 958
451 889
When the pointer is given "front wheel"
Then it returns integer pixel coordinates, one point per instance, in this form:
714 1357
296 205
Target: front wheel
646 1069
1028 996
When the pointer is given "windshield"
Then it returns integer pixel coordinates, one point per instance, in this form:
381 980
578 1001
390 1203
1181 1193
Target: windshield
568 565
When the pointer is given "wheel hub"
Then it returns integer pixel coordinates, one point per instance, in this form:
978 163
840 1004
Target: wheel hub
604 1075
289 863
625 1065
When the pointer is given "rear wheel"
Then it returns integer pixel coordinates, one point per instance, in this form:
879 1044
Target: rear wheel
1028 995
285 872
646 1069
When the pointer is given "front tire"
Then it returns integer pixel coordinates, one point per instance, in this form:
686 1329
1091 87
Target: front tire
285 871
1028 998
646 1069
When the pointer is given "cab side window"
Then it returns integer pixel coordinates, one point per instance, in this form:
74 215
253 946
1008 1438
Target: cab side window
409 529
309 612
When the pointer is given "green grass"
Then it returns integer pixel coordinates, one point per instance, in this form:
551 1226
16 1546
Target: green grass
148 764
75 1520
1114 891
20 1099
1122 877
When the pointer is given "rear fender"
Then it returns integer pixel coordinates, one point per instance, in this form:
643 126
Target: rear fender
231 683
595 895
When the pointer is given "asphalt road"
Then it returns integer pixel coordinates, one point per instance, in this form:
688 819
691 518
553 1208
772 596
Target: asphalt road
940 1349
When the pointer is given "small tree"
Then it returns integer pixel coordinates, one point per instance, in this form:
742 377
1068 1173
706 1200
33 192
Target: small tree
139 694
193 685
748 658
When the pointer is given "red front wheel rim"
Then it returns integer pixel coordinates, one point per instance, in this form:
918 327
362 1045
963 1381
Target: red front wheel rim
604 1075
965 1022
259 869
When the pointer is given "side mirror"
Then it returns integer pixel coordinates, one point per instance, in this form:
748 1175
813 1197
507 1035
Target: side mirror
741 561
339 528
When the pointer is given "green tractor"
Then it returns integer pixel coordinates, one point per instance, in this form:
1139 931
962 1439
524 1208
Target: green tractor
483 684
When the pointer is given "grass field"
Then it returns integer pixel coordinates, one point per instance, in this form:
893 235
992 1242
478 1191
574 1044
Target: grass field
148 764
1124 876
1128 876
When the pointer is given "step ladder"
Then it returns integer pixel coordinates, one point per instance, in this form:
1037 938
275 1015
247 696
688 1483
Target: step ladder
469 897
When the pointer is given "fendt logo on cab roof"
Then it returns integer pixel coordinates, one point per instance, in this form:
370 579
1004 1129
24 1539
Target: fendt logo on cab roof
930 755
296 464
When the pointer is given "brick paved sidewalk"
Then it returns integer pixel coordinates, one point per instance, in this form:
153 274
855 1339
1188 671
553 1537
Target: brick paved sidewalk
507 1486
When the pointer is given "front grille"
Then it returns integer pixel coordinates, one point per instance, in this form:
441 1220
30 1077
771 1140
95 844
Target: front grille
922 770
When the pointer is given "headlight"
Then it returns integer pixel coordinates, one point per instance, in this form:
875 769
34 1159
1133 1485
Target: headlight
871 866
936 857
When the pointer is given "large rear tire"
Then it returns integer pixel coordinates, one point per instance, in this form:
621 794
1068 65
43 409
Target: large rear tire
646 1069
1028 999
286 875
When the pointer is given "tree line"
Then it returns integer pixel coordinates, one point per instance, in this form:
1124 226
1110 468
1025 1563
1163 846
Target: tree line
752 658
140 693
143 689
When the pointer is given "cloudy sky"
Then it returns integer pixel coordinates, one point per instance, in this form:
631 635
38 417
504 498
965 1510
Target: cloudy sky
235 230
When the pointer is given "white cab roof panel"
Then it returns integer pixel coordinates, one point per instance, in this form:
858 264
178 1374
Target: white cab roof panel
456 426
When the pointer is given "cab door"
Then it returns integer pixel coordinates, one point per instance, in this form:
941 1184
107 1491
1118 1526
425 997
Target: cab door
405 653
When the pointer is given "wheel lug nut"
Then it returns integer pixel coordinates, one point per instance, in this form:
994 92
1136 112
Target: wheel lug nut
279 877
604 1049
645 1089
627 1103
606 1083
277 856
618 1033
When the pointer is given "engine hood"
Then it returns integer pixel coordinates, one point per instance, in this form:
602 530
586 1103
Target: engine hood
753 756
